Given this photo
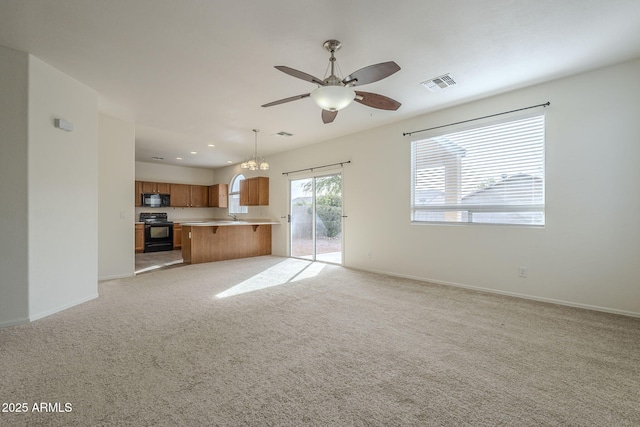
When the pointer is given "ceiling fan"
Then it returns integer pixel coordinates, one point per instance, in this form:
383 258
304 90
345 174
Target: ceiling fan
334 94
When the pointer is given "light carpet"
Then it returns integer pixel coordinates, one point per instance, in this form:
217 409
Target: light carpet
272 341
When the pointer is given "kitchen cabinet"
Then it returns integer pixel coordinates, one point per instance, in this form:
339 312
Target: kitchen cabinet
180 195
156 187
138 193
254 191
189 196
139 237
177 236
184 195
218 243
219 196
199 196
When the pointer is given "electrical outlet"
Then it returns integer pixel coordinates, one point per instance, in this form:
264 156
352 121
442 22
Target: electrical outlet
522 271
370 254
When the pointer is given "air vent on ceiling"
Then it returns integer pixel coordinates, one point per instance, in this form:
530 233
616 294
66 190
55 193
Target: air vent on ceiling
283 133
157 158
438 83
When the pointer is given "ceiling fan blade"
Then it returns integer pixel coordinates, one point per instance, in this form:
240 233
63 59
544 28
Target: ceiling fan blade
371 74
299 74
377 101
328 116
282 101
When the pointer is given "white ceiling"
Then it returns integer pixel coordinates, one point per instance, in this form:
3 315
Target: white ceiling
194 72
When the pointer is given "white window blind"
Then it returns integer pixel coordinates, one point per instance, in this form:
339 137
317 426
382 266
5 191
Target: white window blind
487 174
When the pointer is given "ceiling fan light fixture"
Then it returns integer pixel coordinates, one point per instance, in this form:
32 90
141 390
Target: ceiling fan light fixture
333 98
335 93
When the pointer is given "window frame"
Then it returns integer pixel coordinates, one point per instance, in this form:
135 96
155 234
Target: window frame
236 208
538 209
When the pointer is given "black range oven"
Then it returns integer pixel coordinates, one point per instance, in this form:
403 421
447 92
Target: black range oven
158 232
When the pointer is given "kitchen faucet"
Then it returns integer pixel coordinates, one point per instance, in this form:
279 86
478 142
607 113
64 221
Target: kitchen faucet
235 218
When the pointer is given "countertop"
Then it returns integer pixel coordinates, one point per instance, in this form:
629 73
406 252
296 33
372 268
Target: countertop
210 222
229 222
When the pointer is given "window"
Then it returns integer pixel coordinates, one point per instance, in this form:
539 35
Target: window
492 173
234 196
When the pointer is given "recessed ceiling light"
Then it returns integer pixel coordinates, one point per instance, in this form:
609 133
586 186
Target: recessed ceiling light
211 145
229 161
178 158
194 152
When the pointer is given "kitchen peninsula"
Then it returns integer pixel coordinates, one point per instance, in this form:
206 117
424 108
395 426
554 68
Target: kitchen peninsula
222 240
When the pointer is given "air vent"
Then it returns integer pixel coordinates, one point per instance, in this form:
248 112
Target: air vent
157 158
283 133
438 83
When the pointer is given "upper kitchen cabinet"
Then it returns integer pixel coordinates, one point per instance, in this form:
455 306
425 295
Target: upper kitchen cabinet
219 196
156 187
138 193
254 191
199 196
190 196
180 195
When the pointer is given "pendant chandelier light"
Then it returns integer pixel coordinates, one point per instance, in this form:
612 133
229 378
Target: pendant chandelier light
255 163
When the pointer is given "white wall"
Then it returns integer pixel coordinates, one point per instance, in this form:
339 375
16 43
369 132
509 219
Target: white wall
14 207
62 191
116 195
587 253
155 172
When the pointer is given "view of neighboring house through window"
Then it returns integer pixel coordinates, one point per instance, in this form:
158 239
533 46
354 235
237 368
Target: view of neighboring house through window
491 173
234 196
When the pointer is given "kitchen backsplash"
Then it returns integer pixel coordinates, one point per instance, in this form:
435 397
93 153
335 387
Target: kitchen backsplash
201 213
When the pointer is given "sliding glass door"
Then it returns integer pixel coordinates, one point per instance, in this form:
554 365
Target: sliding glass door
316 218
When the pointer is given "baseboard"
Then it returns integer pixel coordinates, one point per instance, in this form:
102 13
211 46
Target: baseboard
62 307
117 276
511 294
15 322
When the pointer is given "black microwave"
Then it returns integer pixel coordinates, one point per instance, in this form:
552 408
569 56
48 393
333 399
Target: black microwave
154 200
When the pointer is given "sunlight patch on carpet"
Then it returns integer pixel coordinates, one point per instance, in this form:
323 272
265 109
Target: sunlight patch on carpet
157 266
290 270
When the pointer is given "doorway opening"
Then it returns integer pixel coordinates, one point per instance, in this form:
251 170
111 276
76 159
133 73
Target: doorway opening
315 221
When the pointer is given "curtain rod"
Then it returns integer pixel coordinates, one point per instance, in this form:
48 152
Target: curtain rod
477 118
317 167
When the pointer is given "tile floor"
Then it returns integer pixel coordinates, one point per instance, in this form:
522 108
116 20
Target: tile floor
154 260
